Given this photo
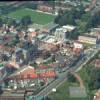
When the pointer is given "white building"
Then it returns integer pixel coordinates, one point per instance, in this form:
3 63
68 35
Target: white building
78 45
68 28
60 34
87 39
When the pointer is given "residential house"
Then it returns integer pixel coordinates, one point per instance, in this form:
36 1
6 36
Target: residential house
45 8
22 77
46 72
25 76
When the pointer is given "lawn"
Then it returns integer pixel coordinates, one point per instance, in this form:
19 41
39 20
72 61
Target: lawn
63 92
37 17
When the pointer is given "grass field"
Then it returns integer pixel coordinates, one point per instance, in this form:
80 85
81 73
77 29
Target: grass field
37 17
63 92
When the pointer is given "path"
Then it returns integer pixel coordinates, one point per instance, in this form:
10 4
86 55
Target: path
78 78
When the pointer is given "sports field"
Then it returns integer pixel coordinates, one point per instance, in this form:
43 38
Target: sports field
37 17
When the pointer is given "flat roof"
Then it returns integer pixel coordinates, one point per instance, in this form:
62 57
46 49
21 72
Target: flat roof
40 36
69 27
50 39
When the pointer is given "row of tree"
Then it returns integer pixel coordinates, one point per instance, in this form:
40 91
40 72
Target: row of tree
84 21
21 24
94 20
69 17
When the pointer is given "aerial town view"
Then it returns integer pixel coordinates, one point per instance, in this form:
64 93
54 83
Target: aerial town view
50 50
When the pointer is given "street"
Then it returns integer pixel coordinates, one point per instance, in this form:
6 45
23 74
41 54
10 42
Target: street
47 90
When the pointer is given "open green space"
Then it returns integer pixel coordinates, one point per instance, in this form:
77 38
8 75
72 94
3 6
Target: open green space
63 92
37 17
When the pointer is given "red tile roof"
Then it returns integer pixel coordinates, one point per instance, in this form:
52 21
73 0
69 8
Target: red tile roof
48 74
34 34
27 72
43 67
30 72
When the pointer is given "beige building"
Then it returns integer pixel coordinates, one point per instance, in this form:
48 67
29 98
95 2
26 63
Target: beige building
87 39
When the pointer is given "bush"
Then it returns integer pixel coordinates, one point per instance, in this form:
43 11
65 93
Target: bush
71 77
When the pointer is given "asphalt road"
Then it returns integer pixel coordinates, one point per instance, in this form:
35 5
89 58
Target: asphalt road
47 90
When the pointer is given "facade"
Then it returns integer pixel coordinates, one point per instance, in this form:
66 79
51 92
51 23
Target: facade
87 39
78 45
49 43
28 74
60 35
68 28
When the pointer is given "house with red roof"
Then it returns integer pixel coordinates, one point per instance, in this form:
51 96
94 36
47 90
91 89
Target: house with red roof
28 74
46 72
24 73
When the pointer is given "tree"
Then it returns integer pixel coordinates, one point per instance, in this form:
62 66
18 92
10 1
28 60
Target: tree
1 91
94 82
12 22
73 35
94 20
71 77
85 17
5 20
25 21
64 18
56 20
31 5
1 22
60 12
70 19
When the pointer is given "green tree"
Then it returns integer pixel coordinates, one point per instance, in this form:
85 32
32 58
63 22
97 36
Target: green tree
12 22
56 20
71 77
31 5
25 21
66 19
73 35
94 82
5 20
1 22
94 20
85 17
60 12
